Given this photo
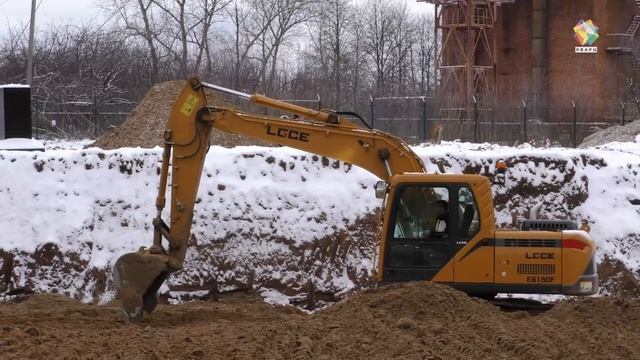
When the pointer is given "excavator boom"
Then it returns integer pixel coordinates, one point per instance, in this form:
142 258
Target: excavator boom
139 275
319 132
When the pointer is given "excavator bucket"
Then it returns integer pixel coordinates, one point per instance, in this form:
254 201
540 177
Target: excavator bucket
137 277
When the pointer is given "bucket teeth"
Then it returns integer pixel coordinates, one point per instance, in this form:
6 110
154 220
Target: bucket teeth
135 315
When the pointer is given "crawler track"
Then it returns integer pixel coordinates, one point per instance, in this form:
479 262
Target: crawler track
516 304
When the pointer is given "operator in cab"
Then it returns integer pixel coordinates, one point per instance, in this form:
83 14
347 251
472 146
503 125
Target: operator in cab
441 210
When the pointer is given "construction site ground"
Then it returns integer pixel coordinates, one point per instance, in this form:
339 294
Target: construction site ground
405 321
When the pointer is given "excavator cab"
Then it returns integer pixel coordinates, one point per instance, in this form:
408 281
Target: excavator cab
428 222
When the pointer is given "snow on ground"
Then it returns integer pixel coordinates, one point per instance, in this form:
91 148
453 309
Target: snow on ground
5 86
275 218
21 144
56 144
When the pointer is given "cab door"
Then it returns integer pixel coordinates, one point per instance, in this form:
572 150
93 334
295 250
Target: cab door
420 238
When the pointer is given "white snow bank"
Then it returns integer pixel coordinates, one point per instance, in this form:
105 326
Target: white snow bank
609 175
57 144
261 210
258 204
14 86
21 144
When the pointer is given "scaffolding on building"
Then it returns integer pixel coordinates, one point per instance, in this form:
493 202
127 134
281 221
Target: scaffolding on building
467 55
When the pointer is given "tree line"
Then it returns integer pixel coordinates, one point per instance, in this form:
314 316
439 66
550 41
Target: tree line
340 50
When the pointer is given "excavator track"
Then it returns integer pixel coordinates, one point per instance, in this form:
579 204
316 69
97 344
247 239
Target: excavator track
519 304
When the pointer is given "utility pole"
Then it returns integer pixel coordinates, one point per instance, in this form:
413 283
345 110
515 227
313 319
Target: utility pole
32 28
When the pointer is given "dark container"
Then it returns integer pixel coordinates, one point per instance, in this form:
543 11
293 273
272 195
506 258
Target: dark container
15 111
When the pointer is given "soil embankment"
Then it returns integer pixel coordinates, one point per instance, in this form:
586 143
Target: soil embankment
408 321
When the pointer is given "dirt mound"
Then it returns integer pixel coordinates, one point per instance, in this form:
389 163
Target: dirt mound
617 280
406 321
145 126
626 133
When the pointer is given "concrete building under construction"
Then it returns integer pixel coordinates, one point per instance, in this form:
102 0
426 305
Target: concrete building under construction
500 55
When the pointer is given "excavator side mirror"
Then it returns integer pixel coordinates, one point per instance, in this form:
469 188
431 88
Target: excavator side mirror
381 189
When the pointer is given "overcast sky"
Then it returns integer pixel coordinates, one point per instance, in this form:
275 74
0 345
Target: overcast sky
18 11
79 11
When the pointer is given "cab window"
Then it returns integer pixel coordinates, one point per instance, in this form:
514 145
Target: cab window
422 212
468 214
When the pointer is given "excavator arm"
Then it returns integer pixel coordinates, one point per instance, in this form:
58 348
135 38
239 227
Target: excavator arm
139 275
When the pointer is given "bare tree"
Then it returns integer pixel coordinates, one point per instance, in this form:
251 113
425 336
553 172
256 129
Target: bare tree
348 51
204 17
403 36
280 18
382 37
331 41
424 54
250 23
189 23
137 17
174 15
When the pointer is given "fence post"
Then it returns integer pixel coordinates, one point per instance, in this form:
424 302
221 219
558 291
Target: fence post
524 120
424 119
37 117
622 104
475 119
94 114
95 121
371 108
575 125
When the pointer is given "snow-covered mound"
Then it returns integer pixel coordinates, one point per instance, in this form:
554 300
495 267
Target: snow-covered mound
21 144
275 219
67 215
596 185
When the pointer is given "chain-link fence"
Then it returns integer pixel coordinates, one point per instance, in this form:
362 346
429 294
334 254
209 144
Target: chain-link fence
419 119
77 120
408 117
414 118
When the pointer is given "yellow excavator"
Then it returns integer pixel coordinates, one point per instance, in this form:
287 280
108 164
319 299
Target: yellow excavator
433 226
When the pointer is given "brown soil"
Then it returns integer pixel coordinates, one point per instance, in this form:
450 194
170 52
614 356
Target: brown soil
146 124
617 280
405 321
